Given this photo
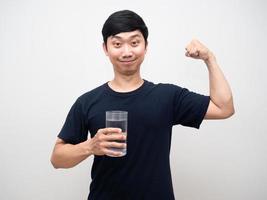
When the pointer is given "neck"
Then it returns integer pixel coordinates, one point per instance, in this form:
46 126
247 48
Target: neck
126 83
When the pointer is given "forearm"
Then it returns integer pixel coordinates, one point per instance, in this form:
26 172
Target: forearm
220 91
68 155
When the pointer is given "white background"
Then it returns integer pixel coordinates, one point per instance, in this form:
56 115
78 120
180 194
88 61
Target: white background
51 53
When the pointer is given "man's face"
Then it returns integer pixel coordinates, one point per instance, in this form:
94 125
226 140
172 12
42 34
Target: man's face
126 52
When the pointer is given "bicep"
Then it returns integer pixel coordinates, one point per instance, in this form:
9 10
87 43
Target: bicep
59 142
214 112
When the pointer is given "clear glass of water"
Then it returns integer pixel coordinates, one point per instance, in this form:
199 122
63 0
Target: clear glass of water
118 119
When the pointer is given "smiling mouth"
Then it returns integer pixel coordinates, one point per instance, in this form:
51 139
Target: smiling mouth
127 61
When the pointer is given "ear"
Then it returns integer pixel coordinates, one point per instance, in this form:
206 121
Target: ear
146 46
105 48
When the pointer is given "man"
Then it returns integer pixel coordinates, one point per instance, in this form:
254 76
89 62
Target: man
144 172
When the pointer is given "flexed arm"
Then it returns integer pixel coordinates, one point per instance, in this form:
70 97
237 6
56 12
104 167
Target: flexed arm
221 104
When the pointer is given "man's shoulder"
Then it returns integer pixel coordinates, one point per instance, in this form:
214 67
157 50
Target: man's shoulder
165 90
168 87
92 94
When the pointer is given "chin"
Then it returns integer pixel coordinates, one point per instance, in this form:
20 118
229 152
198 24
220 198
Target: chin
128 69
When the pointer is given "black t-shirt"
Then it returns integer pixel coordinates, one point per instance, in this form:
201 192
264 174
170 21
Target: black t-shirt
144 173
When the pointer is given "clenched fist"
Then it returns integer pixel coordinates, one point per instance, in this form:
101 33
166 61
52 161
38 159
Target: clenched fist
197 50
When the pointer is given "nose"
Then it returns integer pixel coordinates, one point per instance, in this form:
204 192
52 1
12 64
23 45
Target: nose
127 51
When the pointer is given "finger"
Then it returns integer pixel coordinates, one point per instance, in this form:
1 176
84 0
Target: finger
195 52
111 137
187 54
112 153
112 130
189 47
114 145
190 53
109 130
186 48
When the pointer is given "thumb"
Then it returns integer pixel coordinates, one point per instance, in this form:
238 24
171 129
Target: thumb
187 54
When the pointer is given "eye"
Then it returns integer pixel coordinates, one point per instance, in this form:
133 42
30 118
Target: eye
135 43
116 44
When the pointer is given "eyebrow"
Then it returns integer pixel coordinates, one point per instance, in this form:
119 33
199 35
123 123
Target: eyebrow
132 36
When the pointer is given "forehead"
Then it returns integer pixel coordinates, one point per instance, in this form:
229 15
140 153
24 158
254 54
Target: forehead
127 35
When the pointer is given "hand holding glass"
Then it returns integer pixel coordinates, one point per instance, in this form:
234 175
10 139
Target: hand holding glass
118 119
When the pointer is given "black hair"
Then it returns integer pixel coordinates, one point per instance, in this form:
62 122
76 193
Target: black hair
123 21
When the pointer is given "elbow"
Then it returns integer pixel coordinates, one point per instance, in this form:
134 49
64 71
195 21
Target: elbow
229 112
54 163
56 160
58 163
229 109
232 111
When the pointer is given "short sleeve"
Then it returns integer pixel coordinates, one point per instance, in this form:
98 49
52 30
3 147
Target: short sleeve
189 107
74 129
